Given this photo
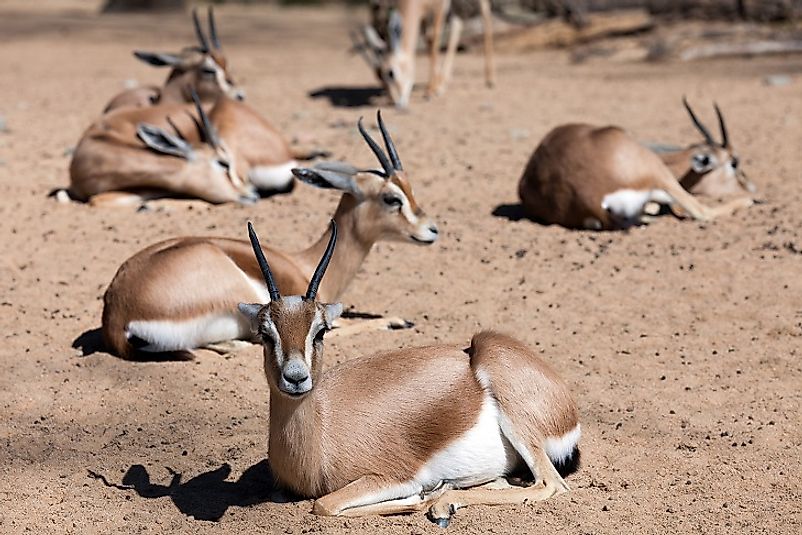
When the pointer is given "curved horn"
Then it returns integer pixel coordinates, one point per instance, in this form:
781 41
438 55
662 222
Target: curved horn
204 43
208 128
311 292
263 265
213 29
705 132
725 139
377 150
388 142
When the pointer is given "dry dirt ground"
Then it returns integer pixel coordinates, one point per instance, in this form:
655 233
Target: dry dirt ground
681 341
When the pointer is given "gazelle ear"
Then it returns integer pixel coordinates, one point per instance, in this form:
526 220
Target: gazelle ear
158 59
163 142
330 175
333 311
250 311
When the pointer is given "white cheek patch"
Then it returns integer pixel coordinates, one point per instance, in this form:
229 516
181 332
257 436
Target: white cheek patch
278 353
309 347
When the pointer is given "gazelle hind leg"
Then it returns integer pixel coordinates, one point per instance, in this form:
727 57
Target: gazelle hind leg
455 29
548 483
487 29
228 346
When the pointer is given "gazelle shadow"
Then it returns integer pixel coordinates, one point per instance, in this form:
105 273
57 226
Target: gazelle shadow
206 496
348 97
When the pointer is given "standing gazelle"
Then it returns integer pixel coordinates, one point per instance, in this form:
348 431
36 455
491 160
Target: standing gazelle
203 68
182 293
438 426
581 176
393 60
126 158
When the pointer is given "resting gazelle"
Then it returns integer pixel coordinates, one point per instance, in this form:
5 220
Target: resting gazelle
182 293
203 68
581 176
437 427
130 155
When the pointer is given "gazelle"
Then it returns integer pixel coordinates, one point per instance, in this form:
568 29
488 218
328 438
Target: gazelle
182 293
394 59
581 176
124 159
437 427
203 68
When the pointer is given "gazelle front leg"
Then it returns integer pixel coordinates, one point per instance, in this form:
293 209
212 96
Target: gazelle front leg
368 495
454 31
699 211
435 72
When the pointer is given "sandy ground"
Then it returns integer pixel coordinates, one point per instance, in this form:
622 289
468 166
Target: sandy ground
681 341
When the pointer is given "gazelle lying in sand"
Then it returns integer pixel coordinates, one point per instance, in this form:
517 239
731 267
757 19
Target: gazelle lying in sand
581 176
126 159
182 293
437 427
203 68
394 60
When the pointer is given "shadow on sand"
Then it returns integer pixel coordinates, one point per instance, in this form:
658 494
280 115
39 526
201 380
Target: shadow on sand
349 97
206 496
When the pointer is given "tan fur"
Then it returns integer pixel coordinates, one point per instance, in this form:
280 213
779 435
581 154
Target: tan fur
110 157
576 165
372 423
186 75
183 278
401 61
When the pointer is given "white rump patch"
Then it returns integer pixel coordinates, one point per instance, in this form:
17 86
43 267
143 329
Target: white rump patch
626 205
167 335
272 177
559 449
480 455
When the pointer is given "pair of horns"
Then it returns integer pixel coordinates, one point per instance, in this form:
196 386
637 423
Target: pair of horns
204 42
208 130
320 270
391 164
725 140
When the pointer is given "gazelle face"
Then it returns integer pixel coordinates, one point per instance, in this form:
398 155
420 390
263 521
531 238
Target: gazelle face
397 74
291 330
393 211
211 79
719 171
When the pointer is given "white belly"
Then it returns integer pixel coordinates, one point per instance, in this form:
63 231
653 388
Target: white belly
480 455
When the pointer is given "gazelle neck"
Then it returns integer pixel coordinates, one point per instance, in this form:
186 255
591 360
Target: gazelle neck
294 441
411 12
351 250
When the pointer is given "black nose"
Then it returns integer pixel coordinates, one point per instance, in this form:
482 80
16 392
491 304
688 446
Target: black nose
295 378
434 230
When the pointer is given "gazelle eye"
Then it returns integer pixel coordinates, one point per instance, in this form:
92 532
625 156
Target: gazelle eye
393 201
734 162
209 72
391 74
319 336
224 164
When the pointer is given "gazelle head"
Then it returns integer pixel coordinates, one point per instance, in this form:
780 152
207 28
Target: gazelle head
715 164
210 165
385 204
394 67
203 68
291 328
